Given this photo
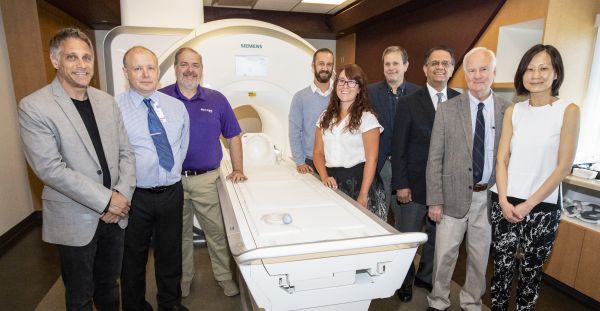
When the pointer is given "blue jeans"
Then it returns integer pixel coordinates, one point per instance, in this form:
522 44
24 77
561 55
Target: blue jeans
91 272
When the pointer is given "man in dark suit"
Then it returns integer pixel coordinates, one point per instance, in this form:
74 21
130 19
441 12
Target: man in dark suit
410 148
75 142
384 96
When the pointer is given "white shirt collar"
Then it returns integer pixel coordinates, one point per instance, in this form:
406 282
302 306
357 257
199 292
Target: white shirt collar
314 88
488 102
433 92
137 98
433 95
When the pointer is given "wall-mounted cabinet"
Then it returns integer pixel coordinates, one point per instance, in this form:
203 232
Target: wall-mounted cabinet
345 50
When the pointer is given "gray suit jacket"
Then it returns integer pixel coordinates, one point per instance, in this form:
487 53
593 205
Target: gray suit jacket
449 173
60 152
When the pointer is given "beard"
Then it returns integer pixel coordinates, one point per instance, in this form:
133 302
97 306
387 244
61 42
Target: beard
323 76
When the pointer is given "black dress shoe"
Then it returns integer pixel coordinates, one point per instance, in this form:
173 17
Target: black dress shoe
422 284
148 307
405 293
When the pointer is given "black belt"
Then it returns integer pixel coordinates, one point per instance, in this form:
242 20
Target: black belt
479 187
195 173
158 189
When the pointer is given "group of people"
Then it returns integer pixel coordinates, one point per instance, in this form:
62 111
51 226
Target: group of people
126 173
451 164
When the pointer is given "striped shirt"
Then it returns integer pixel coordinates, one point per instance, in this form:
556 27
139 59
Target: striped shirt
176 122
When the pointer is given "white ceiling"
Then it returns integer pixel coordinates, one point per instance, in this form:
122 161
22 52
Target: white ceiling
280 5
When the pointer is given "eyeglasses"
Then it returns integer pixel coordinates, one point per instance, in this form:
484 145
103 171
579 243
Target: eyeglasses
349 83
435 63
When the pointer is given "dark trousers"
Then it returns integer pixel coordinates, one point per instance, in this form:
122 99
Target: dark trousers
91 272
411 217
535 236
156 215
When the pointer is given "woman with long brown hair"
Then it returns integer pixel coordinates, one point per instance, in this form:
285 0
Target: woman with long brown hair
347 142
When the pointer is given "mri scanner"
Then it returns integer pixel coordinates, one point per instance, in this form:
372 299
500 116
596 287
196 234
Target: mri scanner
298 244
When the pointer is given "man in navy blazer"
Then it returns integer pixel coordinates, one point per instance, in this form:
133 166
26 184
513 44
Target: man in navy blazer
410 149
384 96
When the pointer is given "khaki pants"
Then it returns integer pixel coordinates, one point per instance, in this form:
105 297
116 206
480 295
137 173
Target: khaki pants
449 236
201 199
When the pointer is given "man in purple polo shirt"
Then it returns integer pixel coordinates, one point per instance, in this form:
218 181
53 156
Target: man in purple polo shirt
210 116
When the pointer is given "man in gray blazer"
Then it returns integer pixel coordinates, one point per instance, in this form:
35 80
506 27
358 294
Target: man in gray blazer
75 142
460 168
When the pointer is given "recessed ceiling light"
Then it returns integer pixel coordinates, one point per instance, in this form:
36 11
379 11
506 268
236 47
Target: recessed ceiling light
334 2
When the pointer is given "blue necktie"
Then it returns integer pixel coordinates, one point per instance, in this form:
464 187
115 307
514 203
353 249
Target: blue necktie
159 137
479 145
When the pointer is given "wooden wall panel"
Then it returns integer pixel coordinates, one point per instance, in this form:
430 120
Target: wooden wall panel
456 23
24 45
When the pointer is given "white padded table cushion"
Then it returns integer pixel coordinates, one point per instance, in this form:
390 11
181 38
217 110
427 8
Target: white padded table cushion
318 213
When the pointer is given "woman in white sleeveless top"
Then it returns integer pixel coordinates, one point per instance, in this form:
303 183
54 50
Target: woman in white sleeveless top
347 142
536 151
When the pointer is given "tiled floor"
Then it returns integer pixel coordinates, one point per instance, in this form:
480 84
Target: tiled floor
29 276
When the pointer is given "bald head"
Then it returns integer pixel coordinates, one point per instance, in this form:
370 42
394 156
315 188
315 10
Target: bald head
138 49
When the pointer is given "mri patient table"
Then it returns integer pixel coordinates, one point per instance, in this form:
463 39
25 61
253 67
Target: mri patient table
300 245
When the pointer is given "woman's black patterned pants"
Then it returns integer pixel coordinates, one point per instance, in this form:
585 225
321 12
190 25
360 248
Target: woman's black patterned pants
534 237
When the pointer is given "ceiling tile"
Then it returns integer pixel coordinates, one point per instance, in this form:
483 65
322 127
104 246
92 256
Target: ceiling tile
313 8
341 6
277 5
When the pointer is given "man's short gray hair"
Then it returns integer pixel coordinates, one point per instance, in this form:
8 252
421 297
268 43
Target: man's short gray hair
68 33
477 50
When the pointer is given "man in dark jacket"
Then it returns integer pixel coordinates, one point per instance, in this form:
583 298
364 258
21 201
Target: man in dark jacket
410 148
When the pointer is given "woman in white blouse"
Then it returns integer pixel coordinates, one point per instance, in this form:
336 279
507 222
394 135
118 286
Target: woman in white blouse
536 150
347 142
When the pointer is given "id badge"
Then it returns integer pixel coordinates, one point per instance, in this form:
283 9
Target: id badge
159 113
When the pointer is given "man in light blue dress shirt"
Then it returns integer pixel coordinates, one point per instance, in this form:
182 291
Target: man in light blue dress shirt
158 129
